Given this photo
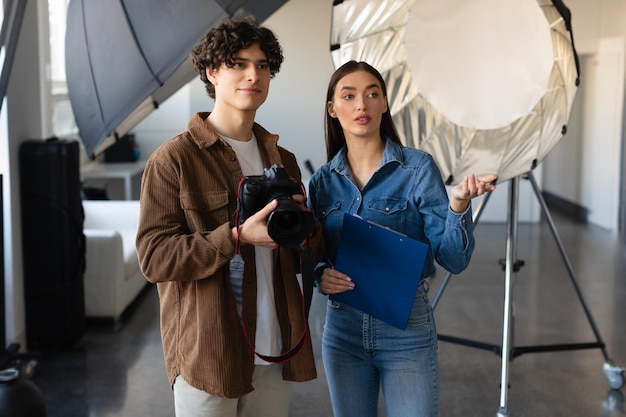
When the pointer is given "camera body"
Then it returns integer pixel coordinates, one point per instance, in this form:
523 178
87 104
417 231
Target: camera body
288 224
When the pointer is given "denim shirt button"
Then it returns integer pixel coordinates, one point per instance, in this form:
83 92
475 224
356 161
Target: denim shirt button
387 209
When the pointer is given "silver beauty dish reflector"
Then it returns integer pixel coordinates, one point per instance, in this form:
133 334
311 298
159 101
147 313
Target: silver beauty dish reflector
485 86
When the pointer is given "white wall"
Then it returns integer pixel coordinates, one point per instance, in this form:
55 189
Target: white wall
584 167
561 167
602 131
168 120
596 19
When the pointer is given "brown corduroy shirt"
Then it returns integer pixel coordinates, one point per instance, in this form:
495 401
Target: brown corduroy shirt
184 243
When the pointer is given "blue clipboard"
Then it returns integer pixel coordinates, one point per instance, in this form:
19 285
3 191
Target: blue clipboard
386 267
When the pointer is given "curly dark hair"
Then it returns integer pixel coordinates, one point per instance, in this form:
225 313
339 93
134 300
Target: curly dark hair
223 42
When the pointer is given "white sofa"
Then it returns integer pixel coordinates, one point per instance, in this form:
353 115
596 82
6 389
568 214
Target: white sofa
112 276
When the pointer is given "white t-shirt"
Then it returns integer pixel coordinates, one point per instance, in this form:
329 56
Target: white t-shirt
268 337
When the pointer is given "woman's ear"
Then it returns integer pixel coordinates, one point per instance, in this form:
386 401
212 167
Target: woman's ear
330 107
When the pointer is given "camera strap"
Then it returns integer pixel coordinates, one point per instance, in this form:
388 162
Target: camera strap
297 348
293 351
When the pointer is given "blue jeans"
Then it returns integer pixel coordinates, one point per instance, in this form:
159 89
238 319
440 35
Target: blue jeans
362 354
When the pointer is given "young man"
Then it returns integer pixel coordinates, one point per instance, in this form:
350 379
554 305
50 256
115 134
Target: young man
213 319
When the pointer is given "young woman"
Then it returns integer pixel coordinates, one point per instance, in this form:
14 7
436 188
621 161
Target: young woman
371 174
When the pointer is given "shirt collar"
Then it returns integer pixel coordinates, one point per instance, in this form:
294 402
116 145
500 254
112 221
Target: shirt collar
392 153
205 137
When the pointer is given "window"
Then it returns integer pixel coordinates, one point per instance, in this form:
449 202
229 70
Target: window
63 124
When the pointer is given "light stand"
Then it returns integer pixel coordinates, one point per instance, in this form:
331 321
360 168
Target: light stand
507 350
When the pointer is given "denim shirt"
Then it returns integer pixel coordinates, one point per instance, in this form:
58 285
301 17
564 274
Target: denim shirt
406 193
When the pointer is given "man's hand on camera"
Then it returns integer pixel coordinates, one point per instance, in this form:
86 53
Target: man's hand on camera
254 230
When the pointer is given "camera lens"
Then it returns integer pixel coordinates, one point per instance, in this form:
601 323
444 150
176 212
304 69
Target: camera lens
288 224
286 220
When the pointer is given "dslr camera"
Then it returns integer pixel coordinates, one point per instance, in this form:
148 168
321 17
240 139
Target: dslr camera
288 224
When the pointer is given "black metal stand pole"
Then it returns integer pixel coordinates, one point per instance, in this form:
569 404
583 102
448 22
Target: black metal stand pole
508 318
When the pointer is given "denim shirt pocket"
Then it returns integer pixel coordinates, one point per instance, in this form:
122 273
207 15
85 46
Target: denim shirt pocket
330 215
205 211
388 211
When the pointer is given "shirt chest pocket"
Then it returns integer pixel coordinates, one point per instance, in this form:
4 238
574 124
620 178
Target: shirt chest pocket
388 211
205 211
329 214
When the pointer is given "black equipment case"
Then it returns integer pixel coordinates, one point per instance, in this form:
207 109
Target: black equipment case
53 241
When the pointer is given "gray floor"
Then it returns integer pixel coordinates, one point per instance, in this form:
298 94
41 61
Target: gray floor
120 373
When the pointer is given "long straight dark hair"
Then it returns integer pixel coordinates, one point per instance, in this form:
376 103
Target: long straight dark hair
335 139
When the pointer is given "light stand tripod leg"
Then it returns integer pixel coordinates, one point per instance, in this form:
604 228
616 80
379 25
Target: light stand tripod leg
613 373
511 240
566 261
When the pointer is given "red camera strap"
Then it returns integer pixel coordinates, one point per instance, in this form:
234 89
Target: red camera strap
297 348
293 351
